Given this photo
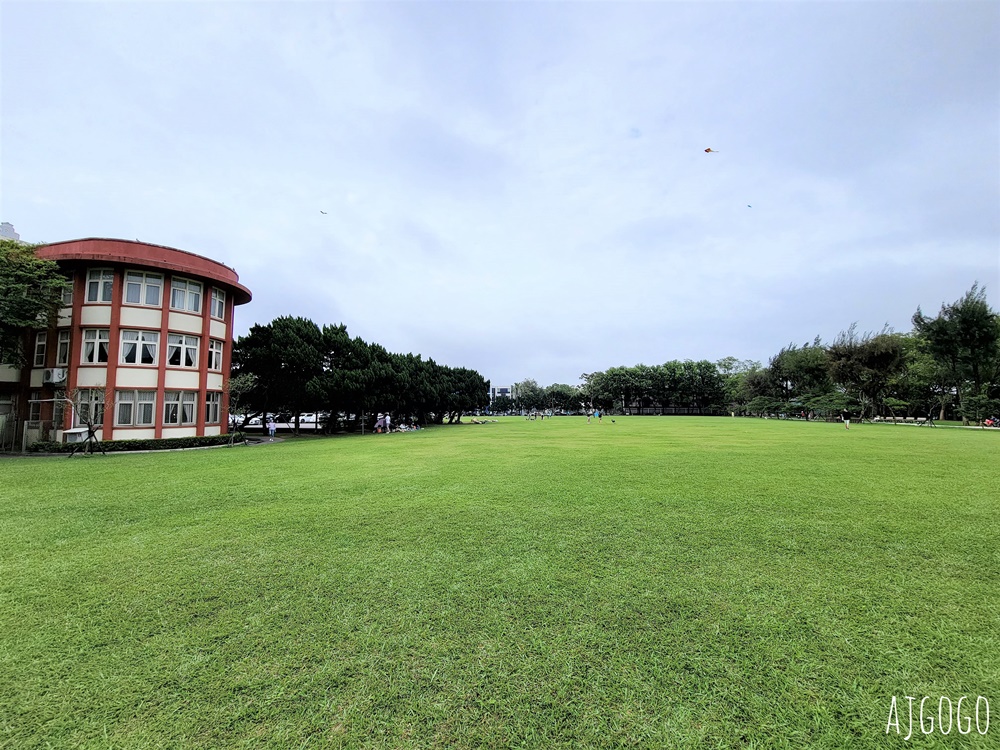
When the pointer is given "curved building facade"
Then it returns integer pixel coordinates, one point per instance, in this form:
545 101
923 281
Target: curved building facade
142 345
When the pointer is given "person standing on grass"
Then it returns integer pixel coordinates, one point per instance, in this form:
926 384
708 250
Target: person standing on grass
597 413
388 422
271 427
846 416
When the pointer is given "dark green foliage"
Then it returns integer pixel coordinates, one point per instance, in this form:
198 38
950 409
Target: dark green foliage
285 355
118 446
30 294
528 395
864 366
801 373
692 386
502 405
300 367
562 397
964 342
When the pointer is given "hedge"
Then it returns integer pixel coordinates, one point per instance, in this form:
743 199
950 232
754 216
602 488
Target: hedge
163 444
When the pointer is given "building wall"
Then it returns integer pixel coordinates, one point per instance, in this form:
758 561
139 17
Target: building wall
149 330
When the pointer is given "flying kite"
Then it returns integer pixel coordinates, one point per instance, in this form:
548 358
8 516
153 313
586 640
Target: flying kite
711 151
323 212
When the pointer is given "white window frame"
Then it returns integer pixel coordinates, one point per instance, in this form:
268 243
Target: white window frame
143 342
185 295
62 347
179 408
94 337
100 285
90 400
215 349
144 283
124 400
213 407
41 339
218 303
142 408
35 407
185 348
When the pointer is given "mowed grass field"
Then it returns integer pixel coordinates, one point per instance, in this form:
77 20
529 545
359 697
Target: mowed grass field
652 583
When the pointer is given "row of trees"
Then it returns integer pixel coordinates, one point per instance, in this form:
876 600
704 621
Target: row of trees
687 386
292 365
949 364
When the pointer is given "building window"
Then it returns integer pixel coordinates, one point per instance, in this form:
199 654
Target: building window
35 406
185 295
143 288
62 349
40 339
182 351
215 355
124 407
218 304
99 282
140 347
90 406
145 408
95 345
67 293
213 406
135 408
178 407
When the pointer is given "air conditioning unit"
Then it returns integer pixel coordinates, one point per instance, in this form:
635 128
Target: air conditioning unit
54 375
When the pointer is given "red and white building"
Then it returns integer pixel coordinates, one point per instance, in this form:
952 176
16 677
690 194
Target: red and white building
142 344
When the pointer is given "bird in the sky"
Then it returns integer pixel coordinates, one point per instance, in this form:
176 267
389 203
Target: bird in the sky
323 212
711 151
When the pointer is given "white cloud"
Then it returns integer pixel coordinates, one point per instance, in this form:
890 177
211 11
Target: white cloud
523 189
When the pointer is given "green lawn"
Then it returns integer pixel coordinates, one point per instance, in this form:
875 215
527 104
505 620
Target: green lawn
653 582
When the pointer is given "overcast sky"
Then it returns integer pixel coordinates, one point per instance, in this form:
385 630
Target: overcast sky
522 188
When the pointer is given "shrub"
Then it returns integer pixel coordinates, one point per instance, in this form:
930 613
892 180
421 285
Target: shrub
163 444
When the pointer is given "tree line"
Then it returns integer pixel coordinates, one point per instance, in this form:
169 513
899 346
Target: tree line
947 366
292 365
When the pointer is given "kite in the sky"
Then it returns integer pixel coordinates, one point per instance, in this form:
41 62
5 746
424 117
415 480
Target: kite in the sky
323 212
711 151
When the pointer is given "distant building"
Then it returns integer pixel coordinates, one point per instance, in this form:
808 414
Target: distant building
142 346
7 231
504 390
